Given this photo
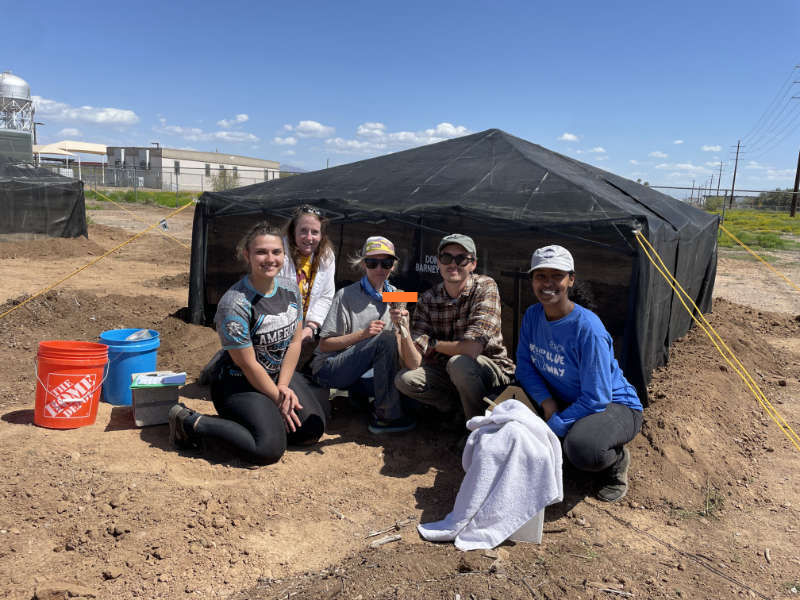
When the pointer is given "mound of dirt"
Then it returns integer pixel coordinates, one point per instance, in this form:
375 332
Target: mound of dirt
79 315
167 282
50 247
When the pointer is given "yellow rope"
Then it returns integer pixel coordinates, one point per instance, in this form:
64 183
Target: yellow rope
740 369
709 330
773 269
96 260
135 216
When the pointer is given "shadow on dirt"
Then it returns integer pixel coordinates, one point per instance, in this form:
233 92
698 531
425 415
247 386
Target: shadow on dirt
121 419
19 417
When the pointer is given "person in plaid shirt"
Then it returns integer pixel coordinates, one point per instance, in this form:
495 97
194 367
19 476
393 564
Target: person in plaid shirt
454 353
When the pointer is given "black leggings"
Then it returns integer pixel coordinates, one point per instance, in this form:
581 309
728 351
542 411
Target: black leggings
252 424
594 443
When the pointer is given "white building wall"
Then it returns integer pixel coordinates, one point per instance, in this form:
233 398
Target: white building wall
192 175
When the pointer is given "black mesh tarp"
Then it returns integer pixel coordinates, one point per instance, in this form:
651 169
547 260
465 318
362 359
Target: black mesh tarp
511 196
36 201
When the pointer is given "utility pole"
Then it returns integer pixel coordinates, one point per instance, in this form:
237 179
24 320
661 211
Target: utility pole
710 189
719 179
735 166
793 210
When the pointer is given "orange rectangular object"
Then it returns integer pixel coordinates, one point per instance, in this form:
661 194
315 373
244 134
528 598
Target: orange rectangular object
399 296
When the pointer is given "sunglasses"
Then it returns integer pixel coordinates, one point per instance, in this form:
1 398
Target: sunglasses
310 210
386 263
461 260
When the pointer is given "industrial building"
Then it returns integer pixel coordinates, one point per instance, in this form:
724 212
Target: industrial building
16 119
171 169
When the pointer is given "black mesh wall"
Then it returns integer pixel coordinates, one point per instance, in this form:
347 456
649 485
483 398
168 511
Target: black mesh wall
35 201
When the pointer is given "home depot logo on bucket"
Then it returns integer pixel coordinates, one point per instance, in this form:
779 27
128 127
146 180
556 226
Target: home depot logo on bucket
69 395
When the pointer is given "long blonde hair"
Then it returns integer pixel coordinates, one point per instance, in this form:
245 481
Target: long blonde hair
325 248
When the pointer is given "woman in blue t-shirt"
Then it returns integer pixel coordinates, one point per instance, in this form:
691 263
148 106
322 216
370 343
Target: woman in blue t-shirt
263 405
565 362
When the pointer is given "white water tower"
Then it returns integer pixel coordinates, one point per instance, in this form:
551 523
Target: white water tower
16 118
16 106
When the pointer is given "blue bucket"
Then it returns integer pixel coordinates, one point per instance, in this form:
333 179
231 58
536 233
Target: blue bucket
126 357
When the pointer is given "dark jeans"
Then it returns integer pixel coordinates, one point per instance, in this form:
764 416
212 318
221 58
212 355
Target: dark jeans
344 369
594 443
252 424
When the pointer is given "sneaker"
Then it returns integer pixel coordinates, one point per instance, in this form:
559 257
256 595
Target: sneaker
616 486
177 432
379 426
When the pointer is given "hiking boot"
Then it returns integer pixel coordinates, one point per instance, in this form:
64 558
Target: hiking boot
178 436
616 485
379 426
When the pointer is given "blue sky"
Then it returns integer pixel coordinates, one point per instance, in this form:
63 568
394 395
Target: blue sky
657 91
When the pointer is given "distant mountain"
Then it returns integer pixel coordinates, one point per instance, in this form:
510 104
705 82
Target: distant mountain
292 169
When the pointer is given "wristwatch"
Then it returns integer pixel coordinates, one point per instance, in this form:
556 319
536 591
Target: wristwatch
314 330
432 344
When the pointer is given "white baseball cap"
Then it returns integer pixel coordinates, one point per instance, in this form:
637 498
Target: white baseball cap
552 257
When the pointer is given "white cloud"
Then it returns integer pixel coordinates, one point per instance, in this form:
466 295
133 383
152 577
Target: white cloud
311 129
658 154
678 142
633 161
238 119
289 152
598 150
69 132
757 166
285 141
58 111
343 144
233 136
683 168
195 134
578 151
371 129
786 175
599 158
373 137
568 137
711 148
712 163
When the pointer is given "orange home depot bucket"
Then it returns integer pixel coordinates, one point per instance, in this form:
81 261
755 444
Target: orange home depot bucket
69 378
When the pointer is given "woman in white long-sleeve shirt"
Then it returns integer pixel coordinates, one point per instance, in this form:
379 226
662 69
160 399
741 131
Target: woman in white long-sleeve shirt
312 264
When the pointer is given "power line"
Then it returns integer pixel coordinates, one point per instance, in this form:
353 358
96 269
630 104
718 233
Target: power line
771 107
766 110
776 129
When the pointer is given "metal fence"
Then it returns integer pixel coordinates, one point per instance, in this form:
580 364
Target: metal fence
187 179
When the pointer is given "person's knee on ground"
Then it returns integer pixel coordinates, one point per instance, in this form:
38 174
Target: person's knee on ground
587 456
308 433
268 452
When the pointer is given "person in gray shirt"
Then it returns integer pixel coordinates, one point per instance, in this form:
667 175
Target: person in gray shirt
358 335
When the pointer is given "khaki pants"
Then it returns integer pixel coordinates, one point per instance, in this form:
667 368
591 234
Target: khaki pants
463 379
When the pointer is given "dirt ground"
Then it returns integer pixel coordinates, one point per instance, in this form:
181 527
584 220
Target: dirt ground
111 511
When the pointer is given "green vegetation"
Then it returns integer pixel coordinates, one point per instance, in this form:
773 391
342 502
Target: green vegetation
168 199
224 180
768 230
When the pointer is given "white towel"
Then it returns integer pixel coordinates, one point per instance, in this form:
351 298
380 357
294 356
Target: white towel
513 470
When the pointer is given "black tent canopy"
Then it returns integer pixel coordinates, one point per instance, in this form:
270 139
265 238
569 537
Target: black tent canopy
34 201
511 196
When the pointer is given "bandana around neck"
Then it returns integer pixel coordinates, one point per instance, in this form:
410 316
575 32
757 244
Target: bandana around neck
372 292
